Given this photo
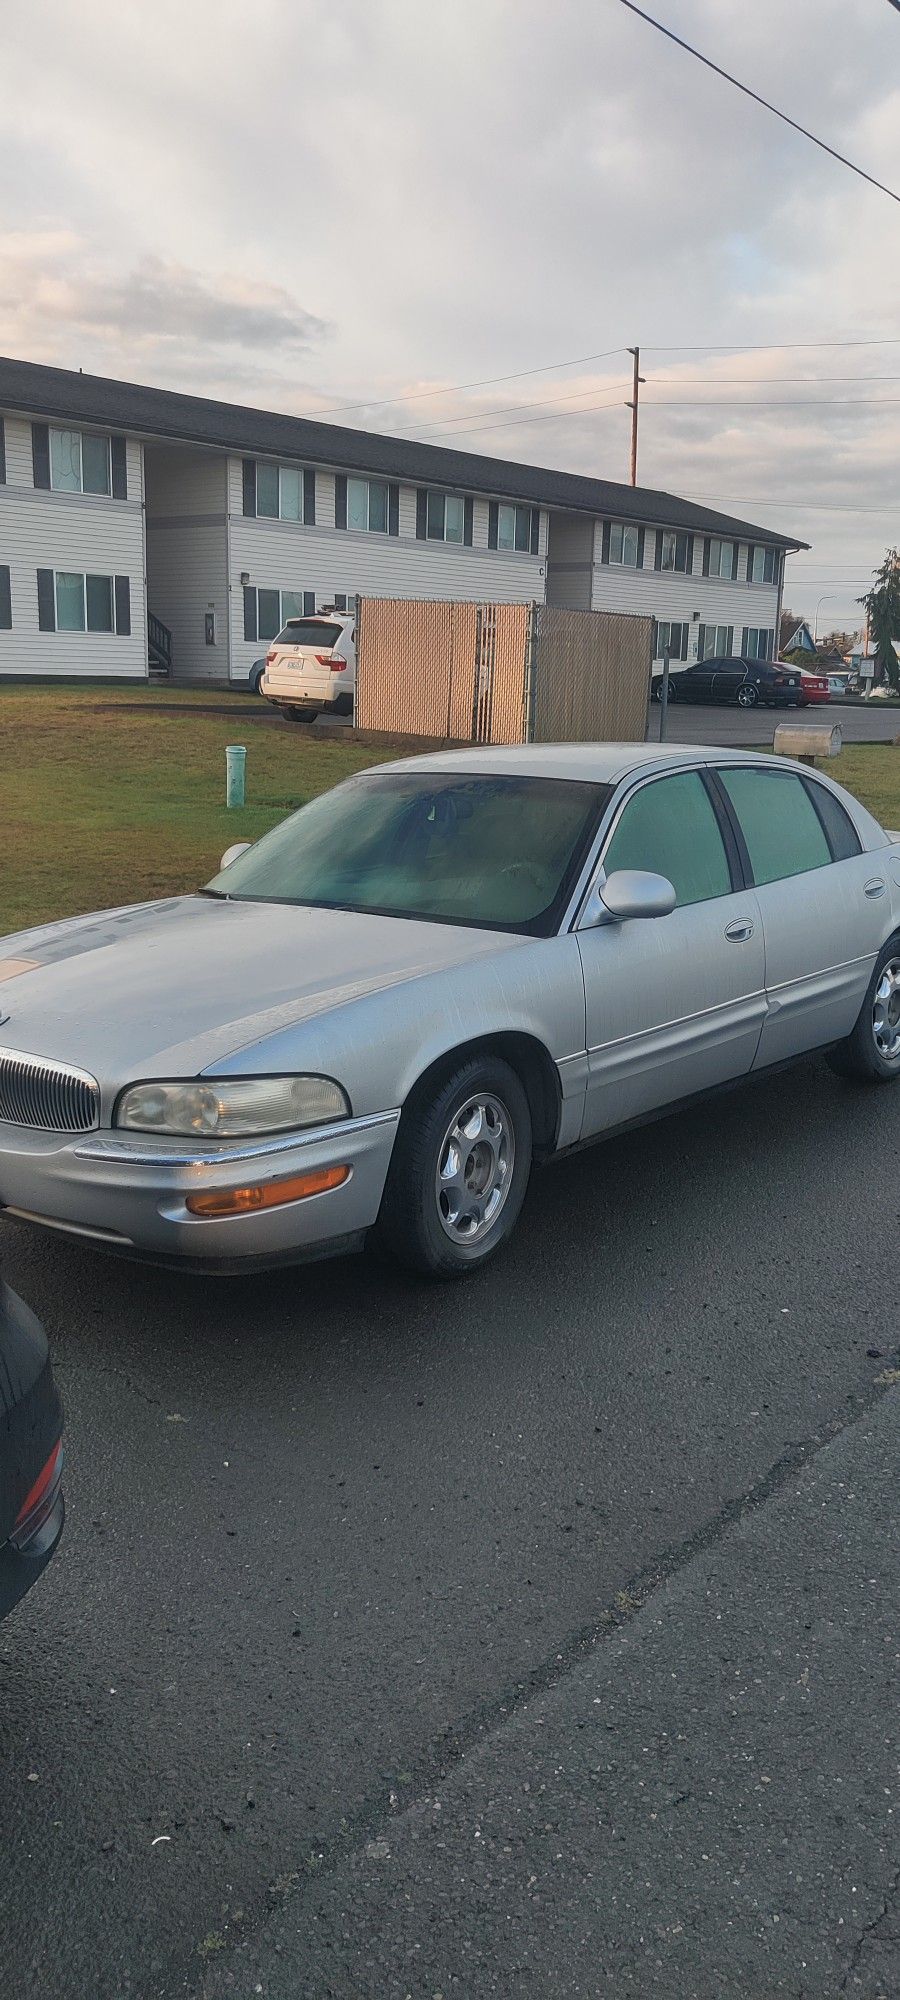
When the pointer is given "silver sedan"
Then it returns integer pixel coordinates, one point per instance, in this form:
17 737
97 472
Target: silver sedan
373 1022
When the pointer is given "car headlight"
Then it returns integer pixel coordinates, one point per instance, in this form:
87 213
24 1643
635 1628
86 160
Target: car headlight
231 1108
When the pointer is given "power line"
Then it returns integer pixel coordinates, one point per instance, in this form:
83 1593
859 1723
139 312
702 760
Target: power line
507 409
469 429
754 94
764 346
803 506
457 388
754 381
751 403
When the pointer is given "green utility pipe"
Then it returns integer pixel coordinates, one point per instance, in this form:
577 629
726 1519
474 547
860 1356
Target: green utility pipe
235 769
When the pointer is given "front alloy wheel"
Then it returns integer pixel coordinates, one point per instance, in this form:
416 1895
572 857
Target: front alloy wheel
886 1012
475 1165
460 1169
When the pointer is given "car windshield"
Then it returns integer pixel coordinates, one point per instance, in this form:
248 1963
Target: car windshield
308 632
499 853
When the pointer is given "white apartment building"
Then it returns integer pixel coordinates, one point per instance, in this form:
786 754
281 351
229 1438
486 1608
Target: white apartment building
138 525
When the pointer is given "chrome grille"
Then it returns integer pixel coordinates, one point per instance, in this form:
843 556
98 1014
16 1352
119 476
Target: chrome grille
45 1095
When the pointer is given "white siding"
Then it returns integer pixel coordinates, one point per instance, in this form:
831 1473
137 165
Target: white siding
692 599
285 556
187 555
70 531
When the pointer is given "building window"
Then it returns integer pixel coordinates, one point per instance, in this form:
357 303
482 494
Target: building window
79 462
758 643
721 558
716 642
674 550
367 506
761 568
279 491
675 636
513 527
625 545
83 603
444 517
267 610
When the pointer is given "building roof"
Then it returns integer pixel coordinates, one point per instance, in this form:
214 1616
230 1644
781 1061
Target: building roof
64 395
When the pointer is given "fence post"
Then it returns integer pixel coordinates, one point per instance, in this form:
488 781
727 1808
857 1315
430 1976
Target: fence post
531 673
664 698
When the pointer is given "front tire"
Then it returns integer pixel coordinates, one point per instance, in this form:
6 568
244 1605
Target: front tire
871 1054
459 1171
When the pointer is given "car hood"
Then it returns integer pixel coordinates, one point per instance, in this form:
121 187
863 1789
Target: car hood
171 987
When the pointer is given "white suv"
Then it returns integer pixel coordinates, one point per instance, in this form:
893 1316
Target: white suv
311 666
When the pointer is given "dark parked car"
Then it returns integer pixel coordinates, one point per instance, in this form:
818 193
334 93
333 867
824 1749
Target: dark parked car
31 1453
748 682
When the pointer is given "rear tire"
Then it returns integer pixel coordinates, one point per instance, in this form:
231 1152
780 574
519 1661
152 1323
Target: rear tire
747 697
871 1054
459 1172
300 715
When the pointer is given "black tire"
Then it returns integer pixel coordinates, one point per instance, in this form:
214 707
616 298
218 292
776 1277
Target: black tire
409 1226
747 696
859 1057
656 691
255 681
300 715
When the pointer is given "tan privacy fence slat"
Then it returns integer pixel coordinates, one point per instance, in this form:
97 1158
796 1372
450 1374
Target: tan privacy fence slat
501 673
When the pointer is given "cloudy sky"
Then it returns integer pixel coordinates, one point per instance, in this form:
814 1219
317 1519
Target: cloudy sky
305 204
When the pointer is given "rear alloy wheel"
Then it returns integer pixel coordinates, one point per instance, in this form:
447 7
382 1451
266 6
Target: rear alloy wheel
747 695
460 1170
872 1053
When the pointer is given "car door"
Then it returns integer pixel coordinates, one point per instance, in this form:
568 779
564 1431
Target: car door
695 683
729 677
674 1004
822 899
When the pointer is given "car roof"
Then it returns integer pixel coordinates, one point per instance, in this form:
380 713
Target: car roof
590 763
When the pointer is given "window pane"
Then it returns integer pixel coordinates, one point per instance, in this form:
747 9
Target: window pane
506 527
268 612
267 490
668 550
669 827
843 838
757 572
616 534
630 547
99 604
434 523
291 606
378 506
453 518
65 461
523 528
781 827
95 463
69 601
358 504
291 493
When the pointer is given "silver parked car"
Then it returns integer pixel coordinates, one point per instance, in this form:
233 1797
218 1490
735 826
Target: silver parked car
375 1020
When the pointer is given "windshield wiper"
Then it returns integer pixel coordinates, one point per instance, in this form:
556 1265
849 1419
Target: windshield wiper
221 895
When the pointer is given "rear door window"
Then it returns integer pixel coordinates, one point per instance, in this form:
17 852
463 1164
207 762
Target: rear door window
782 830
669 827
843 838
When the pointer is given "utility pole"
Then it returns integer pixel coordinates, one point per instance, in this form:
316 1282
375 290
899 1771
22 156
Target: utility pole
633 407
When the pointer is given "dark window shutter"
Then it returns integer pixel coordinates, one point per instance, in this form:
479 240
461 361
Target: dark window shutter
689 557
604 552
750 562
2 453
657 560
393 510
735 552
421 514
123 606
701 641
309 603
745 640
119 468
5 599
535 530
493 522
249 469
309 497
249 602
46 601
640 560
729 639
467 521
340 500
40 459
706 555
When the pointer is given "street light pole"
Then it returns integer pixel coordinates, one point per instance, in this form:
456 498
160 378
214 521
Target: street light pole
824 598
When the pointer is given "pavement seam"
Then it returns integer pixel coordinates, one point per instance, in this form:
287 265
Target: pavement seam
449 1749
867 1930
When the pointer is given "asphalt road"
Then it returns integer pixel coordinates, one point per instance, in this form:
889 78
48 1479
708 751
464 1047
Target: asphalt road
330 1530
720 723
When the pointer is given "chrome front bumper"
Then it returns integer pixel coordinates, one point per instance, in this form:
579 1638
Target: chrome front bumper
127 1192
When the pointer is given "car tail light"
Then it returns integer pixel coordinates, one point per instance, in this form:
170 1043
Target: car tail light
270 656
40 1502
338 663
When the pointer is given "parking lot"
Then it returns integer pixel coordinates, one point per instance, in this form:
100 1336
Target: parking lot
714 722
329 1529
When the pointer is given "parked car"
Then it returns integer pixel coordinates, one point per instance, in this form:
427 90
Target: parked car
748 682
310 668
813 687
838 684
31 1455
372 1022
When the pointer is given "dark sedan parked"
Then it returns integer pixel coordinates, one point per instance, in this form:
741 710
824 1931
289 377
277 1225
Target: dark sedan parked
748 682
31 1453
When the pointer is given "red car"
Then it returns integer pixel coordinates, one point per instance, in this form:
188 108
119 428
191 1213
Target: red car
813 687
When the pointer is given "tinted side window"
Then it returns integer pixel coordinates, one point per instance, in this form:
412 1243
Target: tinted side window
781 827
670 828
843 838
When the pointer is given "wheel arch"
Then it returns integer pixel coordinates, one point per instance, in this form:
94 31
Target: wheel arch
533 1065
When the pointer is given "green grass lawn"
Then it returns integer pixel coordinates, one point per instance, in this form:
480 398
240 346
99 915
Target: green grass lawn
105 799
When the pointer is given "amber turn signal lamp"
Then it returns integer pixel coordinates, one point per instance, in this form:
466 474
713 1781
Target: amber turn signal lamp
246 1201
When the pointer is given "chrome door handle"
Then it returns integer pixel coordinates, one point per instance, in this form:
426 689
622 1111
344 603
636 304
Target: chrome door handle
737 932
876 887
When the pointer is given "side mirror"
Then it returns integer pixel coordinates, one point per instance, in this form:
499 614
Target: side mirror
626 894
232 853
